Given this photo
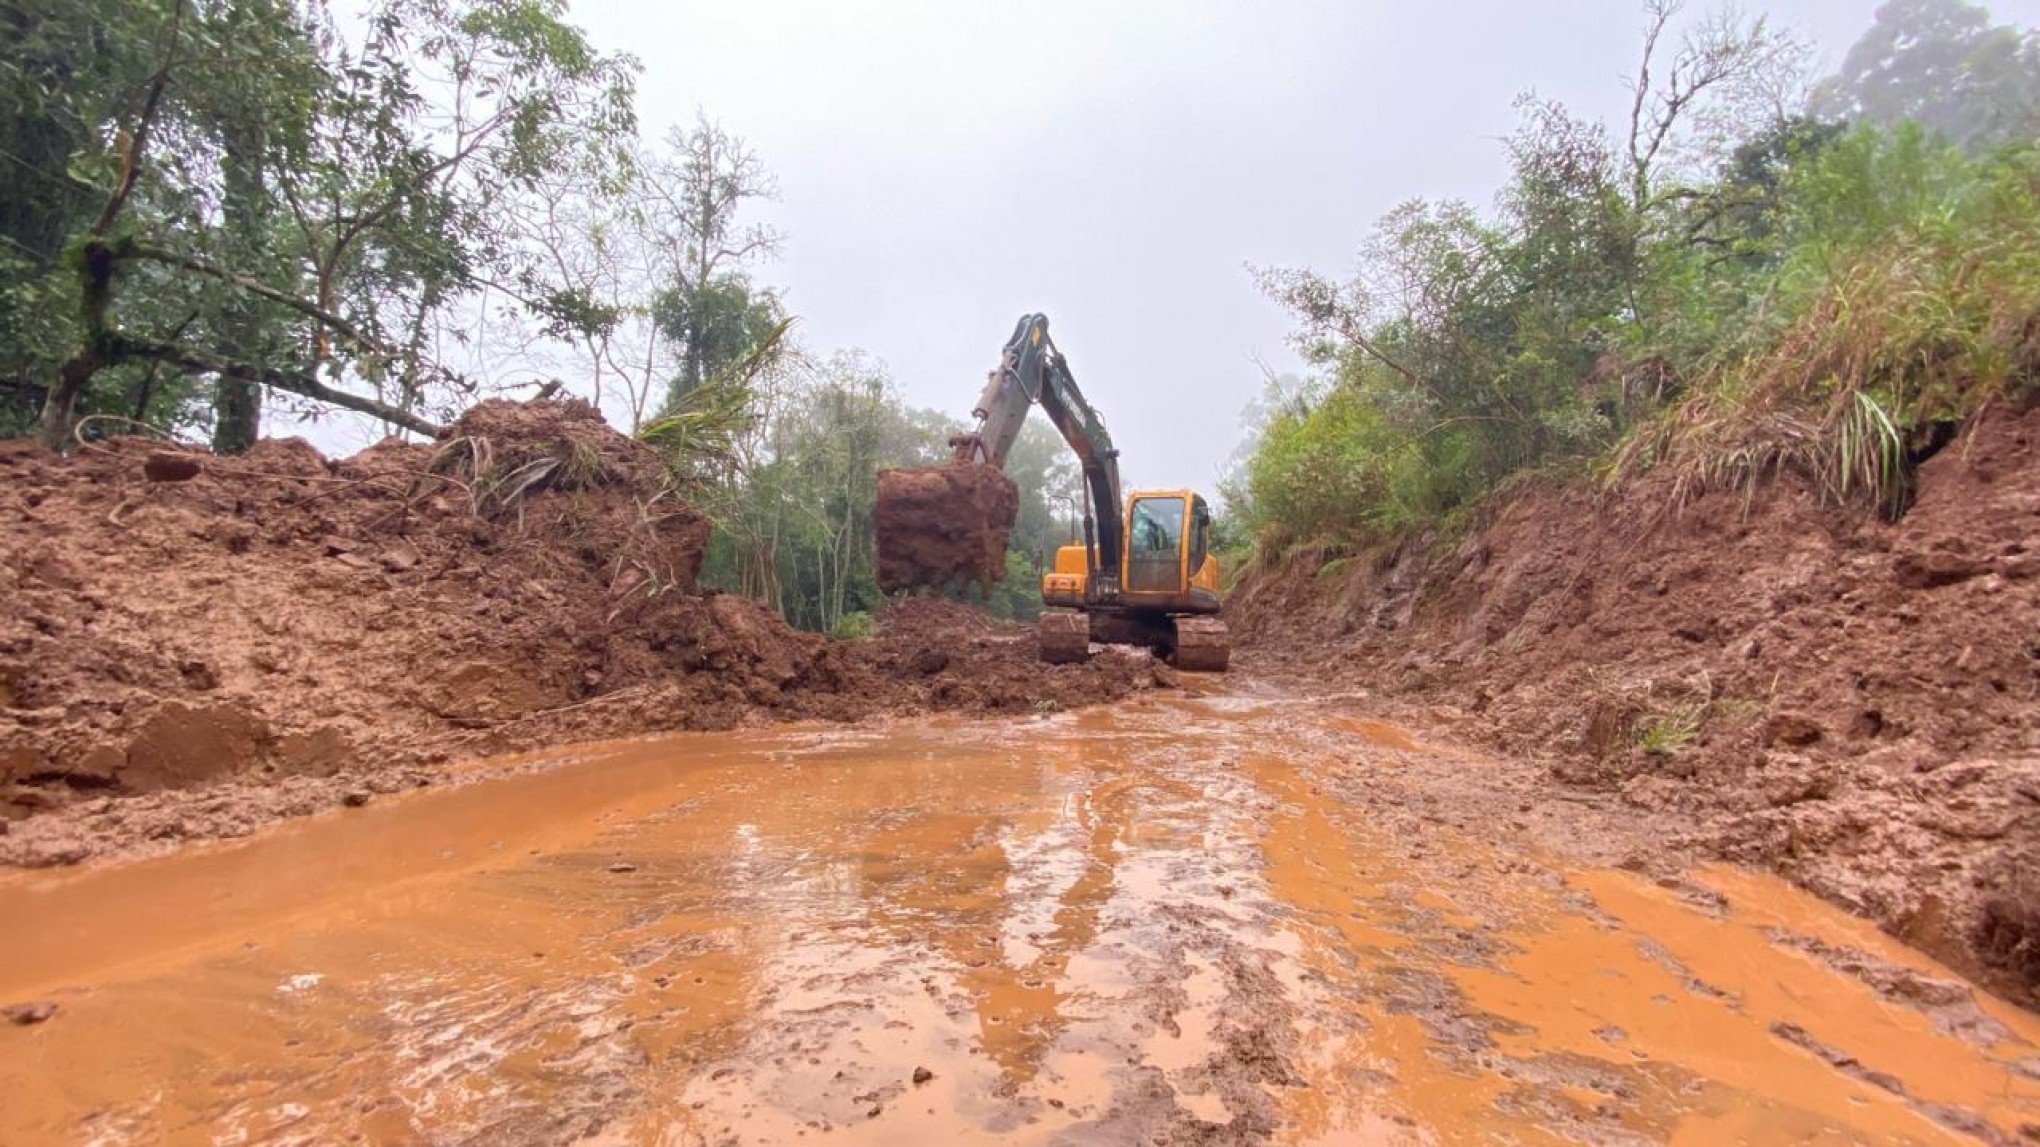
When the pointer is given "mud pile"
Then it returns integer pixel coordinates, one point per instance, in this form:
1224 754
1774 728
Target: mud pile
298 630
943 526
1852 702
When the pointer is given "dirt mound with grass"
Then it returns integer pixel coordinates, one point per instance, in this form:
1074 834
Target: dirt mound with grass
194 645
1850 701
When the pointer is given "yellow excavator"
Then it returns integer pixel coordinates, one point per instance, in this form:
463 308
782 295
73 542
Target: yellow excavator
1143 573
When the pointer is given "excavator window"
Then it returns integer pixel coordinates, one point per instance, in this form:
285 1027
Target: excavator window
1154 545
1200 532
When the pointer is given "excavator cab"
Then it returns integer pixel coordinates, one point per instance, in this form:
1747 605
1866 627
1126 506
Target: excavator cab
1168 547
1161 592
1167 564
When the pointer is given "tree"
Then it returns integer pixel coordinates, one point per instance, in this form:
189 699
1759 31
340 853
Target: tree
1727 76
358 184
1944 65
690 211
68 70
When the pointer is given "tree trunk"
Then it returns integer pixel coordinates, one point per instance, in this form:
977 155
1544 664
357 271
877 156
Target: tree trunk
237 402
96 265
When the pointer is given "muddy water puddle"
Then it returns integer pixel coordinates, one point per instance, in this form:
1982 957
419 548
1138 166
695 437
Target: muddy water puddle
1176 921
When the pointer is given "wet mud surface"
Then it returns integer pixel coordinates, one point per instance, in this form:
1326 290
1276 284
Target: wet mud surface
1240 917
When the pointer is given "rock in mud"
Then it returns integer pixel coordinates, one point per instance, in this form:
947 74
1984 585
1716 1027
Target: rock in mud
23 1015
943 525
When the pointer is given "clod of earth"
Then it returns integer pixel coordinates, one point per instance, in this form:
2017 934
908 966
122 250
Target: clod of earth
171 466
943 525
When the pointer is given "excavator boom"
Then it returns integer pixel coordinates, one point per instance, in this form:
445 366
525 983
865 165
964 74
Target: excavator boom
1032 371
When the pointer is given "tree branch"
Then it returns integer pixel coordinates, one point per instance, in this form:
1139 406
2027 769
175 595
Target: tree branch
254 287
123 347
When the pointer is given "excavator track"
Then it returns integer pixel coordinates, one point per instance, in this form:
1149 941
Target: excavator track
1065 638
1203 645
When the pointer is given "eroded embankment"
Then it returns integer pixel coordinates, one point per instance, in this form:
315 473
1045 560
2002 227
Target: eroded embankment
299 631
1852 702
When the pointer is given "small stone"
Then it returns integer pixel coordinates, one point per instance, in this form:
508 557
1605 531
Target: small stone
623 866
355 798
922 1075
400 559
23 1015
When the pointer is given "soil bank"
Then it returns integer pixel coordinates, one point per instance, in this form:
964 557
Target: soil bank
1851 702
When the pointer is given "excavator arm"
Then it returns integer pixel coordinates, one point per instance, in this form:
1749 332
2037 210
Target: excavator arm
1032 371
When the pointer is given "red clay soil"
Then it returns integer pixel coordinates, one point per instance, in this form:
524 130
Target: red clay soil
191 654
1851 702
942 526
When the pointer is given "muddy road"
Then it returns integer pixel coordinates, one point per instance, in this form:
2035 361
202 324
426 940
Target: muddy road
1236 918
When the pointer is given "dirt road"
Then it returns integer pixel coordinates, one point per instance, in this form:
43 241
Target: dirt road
1242 917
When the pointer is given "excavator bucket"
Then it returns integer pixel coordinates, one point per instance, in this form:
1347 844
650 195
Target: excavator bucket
942 525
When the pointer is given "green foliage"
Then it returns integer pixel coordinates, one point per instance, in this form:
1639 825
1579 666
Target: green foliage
1666 732
723 326
1825 301
1477 372
315 203
1906 290
1017 597
856 623
708 308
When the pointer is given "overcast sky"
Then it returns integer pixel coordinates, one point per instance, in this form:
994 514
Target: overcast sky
945 166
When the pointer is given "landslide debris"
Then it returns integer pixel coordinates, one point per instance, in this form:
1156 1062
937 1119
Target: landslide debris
260 635
1851 702
943 525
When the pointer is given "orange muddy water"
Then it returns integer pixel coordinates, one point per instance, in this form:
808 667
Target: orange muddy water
1182 920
